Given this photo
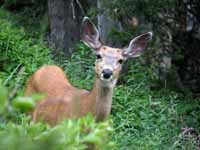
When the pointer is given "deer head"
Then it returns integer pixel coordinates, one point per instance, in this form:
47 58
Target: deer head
109 60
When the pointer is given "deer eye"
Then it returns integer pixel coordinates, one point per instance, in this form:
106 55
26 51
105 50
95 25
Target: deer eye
98 56
120 61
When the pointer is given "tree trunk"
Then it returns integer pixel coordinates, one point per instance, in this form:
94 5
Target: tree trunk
105 24
65 19
187 39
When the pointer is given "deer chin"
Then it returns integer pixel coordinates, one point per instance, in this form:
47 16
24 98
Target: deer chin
111 82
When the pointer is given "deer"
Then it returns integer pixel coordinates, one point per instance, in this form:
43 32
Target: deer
63 100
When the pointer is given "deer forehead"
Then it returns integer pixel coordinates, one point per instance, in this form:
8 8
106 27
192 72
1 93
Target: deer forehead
115 53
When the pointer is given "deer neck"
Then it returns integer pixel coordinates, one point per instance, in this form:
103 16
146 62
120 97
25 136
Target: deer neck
102 98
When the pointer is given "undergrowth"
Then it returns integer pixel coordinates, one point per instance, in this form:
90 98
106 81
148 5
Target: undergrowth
145 116
68 135
17 48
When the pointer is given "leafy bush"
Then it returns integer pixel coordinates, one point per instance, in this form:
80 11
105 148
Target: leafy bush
18 48
68 135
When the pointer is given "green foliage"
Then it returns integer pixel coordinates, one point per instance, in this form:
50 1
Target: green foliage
31 14
3 97
19 104
79 66
9 2
18 48
25 104
150 9
68 135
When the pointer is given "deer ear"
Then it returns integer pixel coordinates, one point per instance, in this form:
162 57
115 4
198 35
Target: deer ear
90 34
137 45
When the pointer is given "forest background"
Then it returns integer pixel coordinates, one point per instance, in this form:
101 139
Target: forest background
156 104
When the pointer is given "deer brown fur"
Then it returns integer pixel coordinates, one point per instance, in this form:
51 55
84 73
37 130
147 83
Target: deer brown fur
63 100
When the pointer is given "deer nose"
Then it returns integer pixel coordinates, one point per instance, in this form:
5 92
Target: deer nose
107 73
